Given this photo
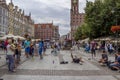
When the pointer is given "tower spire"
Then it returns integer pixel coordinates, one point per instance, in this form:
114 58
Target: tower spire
30 14
86 0
11 1
23 12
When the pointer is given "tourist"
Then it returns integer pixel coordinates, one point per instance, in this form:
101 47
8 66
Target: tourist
17 54
44 49
5 45
93 49
27 47
76 59
104 59
110 48
10 55
116 64
31 51
41 45
36 45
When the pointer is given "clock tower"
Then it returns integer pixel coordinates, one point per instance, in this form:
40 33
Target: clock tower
75 6
76 18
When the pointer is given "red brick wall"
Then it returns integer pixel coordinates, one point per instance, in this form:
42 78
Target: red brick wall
44 31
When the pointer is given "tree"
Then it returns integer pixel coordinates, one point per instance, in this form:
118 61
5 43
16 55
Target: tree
99 17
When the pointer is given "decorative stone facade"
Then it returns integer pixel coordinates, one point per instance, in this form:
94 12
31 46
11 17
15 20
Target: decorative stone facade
46 31
19 23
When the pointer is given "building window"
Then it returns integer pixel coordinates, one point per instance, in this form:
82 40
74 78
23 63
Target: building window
0 11
39 26
3 11
0 19
47 26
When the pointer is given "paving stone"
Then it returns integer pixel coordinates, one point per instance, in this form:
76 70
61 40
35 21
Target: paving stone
118 77
50 68
31 77
2 60
52 62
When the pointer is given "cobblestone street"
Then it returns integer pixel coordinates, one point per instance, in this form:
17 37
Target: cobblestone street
50 68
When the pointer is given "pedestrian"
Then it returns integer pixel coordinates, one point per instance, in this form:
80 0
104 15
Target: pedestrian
31 51
27 47
44 49
104 58
110 48
36 45
75 59
17 54
10 55
93 49
5 45
41 45
116 64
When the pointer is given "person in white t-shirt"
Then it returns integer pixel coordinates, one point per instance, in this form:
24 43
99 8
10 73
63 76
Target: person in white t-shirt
10 55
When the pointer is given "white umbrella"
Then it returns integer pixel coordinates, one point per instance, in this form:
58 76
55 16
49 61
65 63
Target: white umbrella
22 38
7 36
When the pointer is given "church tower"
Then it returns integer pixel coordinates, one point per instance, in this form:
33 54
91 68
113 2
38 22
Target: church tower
76 18
74 6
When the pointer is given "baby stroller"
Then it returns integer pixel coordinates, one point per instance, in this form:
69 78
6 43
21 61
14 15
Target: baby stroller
87 49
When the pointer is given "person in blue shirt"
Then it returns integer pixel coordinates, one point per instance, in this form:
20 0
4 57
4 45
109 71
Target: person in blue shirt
27 47
41 46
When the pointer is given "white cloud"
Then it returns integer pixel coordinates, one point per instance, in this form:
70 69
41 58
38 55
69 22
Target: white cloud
44 11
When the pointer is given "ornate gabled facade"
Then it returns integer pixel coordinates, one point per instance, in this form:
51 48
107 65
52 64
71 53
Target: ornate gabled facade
19 23
47 31
3 18
76 18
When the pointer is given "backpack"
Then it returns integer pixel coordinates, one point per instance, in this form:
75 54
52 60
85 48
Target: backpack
12 47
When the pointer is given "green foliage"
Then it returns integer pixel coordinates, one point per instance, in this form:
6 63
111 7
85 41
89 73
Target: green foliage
99 17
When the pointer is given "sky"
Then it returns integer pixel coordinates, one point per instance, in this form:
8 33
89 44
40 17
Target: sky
47 11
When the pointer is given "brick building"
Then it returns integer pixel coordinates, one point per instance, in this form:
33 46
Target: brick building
76 18
46 31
